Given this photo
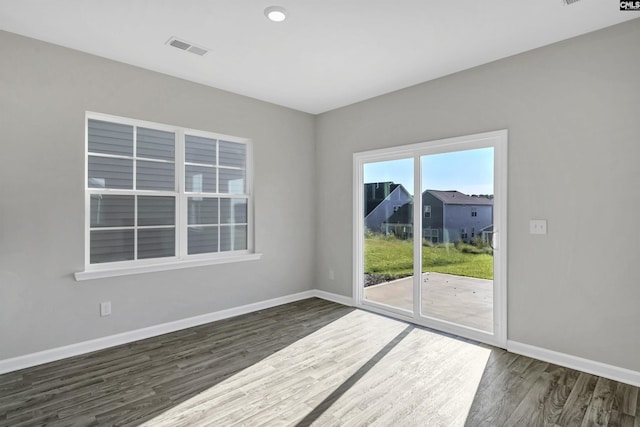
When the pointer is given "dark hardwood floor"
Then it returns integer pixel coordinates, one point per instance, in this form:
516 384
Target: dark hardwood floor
310 363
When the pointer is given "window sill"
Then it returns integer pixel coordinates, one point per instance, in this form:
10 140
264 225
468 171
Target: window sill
173 265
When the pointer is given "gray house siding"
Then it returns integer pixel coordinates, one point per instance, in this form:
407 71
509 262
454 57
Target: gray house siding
447 216
378 216
455 221
401 222
432 224
458 218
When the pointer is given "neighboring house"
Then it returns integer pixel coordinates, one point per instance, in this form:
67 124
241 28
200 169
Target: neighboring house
387 208
449 216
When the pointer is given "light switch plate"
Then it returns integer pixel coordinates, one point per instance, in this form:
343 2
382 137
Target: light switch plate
538 226
105 308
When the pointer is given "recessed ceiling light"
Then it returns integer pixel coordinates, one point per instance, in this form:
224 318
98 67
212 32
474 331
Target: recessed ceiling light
276 13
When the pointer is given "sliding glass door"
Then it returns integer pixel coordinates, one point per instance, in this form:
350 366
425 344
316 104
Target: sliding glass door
457 229
388 234
430 241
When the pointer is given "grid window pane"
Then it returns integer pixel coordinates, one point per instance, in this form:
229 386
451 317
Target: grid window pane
140 220
155 176
233 211
155 144
156 243
233 238
105 172
232 154
202 210
110 138
111 246
155 210
200 150
232 181
200 179
202 240
112 211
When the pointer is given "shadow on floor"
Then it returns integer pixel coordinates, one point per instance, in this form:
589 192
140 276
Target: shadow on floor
132 383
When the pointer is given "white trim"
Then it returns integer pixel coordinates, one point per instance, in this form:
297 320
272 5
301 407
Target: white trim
432 323
498 140
500 178
28 360
358 230
417 237
46 356
339 299
574 362
181 257
167 265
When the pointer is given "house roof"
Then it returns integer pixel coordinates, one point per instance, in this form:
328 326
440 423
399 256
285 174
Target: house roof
454 197
376 192
380 186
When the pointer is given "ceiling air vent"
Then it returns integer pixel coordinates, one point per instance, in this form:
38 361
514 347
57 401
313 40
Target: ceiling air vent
189 47
570 1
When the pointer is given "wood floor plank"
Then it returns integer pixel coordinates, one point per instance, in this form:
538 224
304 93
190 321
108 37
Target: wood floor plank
311 362
637 420
578 401
531 410
499 360
512 386
557 400
626 399
599 408
618 419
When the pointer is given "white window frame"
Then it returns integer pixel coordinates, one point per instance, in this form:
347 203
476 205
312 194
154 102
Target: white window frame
496 139
181 258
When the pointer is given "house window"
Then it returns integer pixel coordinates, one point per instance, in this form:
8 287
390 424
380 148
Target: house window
474 212
158 193
463 233
427 211
431 234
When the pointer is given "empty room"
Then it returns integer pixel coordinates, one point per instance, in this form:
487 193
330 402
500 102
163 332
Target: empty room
295 213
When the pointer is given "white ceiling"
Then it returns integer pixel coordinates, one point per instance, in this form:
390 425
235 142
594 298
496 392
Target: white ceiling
327 54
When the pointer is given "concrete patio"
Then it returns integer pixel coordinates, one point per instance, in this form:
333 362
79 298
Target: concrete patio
463 300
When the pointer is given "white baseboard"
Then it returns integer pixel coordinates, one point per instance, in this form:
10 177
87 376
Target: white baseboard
340 299
592 367
46 356
8 365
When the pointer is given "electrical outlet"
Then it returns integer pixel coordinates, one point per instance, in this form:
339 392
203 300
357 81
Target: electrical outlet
105 308
538 226
332 275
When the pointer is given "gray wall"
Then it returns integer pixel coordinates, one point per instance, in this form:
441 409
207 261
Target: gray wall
572 114
571 111
44 92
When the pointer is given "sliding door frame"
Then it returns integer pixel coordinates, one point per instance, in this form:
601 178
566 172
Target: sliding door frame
498 141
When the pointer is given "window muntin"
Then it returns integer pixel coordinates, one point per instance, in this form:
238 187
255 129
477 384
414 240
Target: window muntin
158 193
463 233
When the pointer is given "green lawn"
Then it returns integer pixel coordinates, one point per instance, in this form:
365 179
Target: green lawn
395 257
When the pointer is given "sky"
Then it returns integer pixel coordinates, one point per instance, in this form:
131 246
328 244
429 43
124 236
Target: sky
469 171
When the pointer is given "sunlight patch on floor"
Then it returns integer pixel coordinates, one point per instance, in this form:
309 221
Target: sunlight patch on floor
287 386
